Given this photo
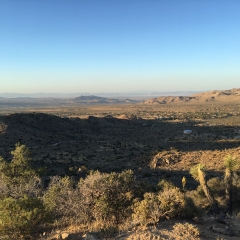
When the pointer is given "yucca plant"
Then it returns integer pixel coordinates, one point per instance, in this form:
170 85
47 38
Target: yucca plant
231 164
184 181
198 173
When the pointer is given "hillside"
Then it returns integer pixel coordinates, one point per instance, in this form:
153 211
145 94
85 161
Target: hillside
232 95
113 144
154 148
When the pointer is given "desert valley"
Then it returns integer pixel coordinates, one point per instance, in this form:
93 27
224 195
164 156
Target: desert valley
72 137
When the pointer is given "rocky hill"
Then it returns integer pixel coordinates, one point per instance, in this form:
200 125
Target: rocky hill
231 95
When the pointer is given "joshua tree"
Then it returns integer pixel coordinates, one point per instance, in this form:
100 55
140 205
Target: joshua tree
231 165
198 173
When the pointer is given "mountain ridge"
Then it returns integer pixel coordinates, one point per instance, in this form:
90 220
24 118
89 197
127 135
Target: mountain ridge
92 99
210 96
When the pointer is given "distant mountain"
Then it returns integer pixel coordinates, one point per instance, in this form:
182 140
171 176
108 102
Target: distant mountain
211 96
39 95
176 93
90 98
100 100
34 102
168 99
229 95
136 94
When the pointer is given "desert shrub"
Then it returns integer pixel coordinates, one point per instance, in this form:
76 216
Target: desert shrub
99 199
170 202
186 231
175 203
143 187
216 186
200 192
199 199
18 177
165 184
148 210
19 218
236 191
231 166
32 188
61 198
107 197
236 180
21 207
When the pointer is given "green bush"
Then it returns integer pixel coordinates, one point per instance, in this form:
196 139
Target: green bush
165 184
61 198
21 209
107 197
170 202
216 186
147 211
99 199
17 177
21 217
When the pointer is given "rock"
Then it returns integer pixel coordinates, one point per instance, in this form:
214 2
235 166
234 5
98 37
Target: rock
197 220
65 235
56 236
187 131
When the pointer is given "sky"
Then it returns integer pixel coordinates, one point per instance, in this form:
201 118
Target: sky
60 46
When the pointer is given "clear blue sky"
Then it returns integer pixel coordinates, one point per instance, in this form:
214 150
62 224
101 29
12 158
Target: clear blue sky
119 45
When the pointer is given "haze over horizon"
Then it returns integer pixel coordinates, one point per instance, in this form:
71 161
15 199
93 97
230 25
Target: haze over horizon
118 46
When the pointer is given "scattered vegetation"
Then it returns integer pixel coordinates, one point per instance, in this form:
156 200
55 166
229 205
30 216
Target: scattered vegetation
22 210
21 217
104 202
168 203
198 173
186 231
231 165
